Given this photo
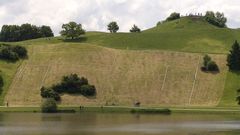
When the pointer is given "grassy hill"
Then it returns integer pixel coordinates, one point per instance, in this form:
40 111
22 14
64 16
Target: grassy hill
155 67
186 34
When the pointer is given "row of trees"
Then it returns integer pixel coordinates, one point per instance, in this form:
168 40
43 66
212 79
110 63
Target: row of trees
74 31
71 84
26 31
216 19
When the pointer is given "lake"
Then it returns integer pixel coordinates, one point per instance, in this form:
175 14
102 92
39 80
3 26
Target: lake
118 124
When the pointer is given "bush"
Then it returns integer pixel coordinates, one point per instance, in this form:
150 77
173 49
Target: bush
208 64
1 82
135 29
12 53
173 16
88 90
49 105
70 84
50 93
21 51
212 66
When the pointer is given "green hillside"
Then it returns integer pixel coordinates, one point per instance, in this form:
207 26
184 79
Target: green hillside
186 34
156 67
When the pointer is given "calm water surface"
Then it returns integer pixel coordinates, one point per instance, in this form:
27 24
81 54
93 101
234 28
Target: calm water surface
118 124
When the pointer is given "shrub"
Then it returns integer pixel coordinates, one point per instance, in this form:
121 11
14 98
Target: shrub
49 105
50 93
173 16
212 66
208 64
88 90
135 29
1 82
70 84
21 51
12 53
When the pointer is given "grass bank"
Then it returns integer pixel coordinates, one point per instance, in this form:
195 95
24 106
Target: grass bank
117 109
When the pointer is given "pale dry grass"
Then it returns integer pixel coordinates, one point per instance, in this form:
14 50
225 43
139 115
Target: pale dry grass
121 77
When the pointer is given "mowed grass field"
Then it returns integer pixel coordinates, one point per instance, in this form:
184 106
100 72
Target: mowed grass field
121 77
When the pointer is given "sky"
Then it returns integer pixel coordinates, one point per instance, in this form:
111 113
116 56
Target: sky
94 15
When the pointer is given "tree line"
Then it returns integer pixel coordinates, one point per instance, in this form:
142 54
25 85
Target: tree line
11 33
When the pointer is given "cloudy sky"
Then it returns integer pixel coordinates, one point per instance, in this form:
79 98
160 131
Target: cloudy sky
96 14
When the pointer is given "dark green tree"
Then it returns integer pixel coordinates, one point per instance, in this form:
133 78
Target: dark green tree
113 27
216 19
209 64
50 93
173 16
1 82
46 31
72 30
233 58
238 97
135 29
206 60
26 31
88 90
49 105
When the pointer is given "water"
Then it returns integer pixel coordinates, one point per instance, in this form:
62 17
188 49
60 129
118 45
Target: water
118 124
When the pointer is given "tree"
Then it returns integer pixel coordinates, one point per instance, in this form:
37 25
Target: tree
88 90
216 19
238 97
233 58
135 29
72 30
173 16
74 84
50 93
49 105
10 33
208 64
206 60
1 82
46 31
113 27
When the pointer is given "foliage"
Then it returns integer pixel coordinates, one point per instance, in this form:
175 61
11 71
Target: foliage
1 81
113 27
50 93
135 29
12 53
74 84
10 33
233 59
49 105
216 19
72 30
238 97
173 16
208 64
88 90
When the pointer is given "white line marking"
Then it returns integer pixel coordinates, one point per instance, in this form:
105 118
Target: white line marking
165 76
194 82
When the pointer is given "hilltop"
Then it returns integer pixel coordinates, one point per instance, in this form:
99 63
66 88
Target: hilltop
155 67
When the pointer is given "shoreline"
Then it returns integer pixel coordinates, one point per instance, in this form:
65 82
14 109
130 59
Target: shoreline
125 109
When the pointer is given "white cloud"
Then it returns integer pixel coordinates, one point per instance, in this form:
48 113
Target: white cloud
96 14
